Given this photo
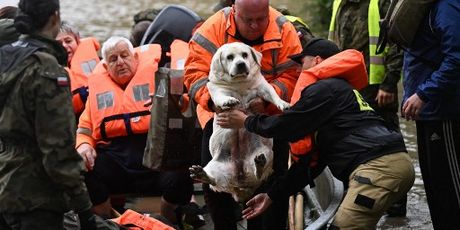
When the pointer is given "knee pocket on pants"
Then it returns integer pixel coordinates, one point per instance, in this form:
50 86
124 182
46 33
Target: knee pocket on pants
388 182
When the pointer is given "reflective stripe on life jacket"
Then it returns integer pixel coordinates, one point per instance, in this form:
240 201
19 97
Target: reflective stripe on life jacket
116 112
348 64
83 62
376 61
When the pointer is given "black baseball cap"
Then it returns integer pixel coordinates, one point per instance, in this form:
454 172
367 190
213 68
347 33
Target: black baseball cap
316 47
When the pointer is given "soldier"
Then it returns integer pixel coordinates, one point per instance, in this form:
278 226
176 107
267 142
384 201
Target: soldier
384 69
40 171
142 21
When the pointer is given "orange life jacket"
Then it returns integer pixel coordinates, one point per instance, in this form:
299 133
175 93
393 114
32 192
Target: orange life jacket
116 112
134 220
348 64
83 62
179 53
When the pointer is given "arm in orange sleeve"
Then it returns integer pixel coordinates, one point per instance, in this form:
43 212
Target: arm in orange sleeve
85 128
206 40
286 79
197 68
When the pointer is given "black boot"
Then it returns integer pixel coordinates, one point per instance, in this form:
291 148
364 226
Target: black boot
398 208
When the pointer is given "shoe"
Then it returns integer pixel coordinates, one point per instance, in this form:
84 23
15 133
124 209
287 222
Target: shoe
193 215
398 209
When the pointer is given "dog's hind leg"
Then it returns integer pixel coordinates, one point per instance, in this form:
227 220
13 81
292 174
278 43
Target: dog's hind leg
260 162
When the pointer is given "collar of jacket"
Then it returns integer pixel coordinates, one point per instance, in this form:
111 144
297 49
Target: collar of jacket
47 45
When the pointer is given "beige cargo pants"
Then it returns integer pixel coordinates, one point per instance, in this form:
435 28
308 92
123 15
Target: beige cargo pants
373 187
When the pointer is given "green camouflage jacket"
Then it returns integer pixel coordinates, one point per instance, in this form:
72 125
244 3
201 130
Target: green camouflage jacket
352 33
39 166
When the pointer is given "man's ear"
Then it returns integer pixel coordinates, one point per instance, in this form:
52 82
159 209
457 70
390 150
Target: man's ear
136 56
256 55
104 64
318 60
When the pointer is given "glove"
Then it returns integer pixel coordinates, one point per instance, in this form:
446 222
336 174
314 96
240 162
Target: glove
87 220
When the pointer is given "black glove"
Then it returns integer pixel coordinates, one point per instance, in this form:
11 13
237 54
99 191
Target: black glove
87 220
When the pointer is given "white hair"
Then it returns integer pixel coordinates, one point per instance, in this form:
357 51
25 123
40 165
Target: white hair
112 42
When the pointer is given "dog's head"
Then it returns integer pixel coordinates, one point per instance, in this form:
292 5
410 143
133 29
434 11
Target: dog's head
234 62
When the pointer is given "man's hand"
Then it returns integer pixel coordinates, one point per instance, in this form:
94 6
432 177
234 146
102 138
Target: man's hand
384 98
257 105
88 154
257 205
232 119
412 107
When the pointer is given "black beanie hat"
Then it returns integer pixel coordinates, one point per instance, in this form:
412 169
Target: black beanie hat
316 47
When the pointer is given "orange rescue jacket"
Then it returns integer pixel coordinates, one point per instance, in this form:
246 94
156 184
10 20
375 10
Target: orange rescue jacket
280 41
348 64
83 62
113 112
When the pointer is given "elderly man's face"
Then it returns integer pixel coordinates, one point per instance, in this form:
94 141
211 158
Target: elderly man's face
121 63
251 19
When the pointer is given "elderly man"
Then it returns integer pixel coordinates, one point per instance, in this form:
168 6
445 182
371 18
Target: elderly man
112 131
257 24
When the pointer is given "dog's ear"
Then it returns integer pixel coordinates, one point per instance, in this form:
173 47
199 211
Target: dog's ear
256 55
217 66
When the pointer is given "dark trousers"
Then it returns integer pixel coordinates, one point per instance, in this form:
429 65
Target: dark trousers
33 220
439 157
225 212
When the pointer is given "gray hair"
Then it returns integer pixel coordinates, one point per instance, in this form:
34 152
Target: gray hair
66 28
112 42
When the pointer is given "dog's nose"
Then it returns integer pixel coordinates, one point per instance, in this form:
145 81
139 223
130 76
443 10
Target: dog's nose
241 67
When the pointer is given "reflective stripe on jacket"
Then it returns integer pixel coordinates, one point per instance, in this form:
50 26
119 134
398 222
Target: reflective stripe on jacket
111 111
83 62
376 61
280 41
348 64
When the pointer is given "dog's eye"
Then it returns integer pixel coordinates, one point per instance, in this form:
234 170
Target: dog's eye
230 57
245 55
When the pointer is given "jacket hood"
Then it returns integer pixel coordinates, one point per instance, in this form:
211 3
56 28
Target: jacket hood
348 64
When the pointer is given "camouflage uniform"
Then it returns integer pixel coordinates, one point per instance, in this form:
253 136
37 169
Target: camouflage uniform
39 166
352 33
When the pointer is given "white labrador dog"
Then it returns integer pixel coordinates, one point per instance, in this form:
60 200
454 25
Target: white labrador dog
241 160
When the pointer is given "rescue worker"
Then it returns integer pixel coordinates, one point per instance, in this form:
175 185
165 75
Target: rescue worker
112 131
351 139
256 24
82 58
8 33
432 99
303 30
40 171
384 69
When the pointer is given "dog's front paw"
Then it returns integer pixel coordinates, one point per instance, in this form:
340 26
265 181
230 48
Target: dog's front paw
282 105
197 173
229 103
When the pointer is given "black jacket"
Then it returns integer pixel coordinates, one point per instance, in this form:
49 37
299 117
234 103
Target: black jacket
347 130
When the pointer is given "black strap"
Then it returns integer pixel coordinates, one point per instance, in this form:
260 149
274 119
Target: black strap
125 117
384 26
